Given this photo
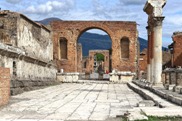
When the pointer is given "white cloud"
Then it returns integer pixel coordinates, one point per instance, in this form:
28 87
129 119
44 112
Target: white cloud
50 6
132 2
111 10
13 1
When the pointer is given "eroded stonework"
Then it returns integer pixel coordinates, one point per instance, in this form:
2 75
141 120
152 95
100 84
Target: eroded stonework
26 48
71 30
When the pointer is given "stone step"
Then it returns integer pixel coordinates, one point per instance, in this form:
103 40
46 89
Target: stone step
150 96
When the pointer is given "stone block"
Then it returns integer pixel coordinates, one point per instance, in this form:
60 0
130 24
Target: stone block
178 101
68 77
75 78
106 76
178 89
169 87
146 103
94 76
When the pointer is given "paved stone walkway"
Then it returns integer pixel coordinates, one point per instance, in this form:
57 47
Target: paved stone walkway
72 102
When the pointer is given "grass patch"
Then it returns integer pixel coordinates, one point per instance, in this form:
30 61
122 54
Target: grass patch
153 118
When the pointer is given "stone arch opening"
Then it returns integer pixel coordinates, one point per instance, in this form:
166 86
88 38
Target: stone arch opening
63 48
125 48
97 41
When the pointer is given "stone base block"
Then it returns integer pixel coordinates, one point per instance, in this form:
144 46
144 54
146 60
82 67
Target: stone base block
94 76
169 87
106 76
68 77
178 89
121 77
146 103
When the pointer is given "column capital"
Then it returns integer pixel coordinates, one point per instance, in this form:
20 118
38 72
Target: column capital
157 21
154 7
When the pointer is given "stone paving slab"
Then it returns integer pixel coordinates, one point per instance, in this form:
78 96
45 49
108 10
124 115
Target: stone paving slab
94 101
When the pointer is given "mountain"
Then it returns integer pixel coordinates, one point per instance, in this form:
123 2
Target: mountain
91 41
48 20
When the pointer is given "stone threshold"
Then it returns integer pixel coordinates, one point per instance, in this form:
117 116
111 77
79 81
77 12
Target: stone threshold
160 91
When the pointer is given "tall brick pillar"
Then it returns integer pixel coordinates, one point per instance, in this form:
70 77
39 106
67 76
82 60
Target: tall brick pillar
4 85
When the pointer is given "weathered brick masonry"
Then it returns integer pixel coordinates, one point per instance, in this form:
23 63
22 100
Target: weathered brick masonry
4 85
177 49
92 53
117 30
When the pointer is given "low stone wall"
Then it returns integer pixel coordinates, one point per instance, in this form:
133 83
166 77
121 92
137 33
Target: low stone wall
26 72
68 77
121 77
4 85
19 86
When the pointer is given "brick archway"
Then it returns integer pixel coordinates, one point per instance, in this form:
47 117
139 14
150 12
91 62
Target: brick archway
92 53
71 30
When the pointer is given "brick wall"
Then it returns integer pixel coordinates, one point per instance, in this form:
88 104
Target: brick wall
71 30
143 61
4 85
79 58
92 53
177 38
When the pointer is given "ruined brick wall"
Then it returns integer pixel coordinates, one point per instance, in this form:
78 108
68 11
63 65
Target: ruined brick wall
71 30
143 61
4 85
166 59
79 57
30 59
92 53
85 64
177 52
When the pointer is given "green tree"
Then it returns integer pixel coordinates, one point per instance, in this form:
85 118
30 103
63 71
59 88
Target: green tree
100 57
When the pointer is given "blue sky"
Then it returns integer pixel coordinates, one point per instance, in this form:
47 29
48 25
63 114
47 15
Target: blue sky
111 10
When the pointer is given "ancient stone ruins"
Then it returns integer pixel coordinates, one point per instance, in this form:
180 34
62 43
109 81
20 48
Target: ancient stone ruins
34 56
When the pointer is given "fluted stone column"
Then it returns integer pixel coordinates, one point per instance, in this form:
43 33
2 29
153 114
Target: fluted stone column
157 50
154 9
